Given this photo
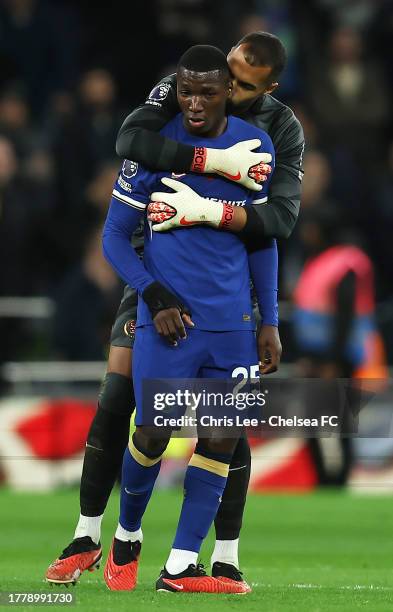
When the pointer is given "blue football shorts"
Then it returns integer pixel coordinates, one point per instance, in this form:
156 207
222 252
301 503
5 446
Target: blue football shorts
204 354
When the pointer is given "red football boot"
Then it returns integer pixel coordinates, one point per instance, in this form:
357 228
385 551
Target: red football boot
121 568
225 572
195 580
82 554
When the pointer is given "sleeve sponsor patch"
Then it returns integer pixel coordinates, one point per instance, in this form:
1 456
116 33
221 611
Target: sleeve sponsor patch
129 168
124 184
158 94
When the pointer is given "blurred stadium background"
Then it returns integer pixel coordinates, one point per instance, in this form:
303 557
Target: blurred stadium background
68 77
69 74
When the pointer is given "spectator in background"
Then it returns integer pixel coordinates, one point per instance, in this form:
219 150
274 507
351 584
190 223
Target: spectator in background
74 224
99 189
326 183
86 303
16 228
38 174
277 17
182 24
37 49
87 136
316 192
356 15
349 98
380 223
13 254
317 180
26 199
334 323
15 122
310 129
381 35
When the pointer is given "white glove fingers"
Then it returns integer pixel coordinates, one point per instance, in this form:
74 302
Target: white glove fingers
161 196
253 185
173 184
265 158
254 143
162 227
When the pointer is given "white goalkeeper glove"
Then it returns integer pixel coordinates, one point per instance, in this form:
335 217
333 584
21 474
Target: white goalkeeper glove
185 208
237 163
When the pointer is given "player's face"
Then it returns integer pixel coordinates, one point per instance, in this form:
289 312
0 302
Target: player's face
249 82
203 97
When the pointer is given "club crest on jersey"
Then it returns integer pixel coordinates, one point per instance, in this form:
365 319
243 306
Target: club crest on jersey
130 168
129 328
159 93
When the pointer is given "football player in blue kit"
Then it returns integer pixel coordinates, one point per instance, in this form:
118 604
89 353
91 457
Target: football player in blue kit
194 284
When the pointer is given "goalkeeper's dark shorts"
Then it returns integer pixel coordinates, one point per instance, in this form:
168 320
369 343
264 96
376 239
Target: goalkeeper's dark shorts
123 330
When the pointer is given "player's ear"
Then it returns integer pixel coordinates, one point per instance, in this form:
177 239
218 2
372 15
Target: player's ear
230 89
271 88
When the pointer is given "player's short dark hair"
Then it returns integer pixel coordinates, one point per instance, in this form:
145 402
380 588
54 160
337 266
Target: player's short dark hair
204 58
265 49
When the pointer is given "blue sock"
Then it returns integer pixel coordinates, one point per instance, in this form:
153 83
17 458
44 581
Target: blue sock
204 485
139 475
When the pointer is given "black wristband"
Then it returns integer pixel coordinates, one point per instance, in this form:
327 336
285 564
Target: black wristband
158 297
254 226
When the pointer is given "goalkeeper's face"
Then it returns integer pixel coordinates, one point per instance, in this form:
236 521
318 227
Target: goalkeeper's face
203 98
249 82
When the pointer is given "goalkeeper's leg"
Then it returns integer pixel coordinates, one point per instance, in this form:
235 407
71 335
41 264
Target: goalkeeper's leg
106 442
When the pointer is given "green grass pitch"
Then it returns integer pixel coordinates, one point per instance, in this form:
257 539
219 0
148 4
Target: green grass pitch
318 552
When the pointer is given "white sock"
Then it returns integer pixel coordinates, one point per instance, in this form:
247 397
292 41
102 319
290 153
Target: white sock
89 526
125 536
226 551
179 560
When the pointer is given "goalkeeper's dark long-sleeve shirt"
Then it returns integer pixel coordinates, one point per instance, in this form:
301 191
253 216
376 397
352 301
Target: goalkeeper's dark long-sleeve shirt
139 140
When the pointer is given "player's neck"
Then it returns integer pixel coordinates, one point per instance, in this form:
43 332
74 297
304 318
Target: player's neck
216 131
243 109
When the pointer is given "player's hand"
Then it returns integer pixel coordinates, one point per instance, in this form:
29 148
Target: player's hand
169 314
237 163
169 323
182 208
269 349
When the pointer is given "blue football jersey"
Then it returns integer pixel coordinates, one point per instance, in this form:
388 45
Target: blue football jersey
206 268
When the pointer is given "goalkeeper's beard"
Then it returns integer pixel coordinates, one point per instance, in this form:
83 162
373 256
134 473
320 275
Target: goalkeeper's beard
238 109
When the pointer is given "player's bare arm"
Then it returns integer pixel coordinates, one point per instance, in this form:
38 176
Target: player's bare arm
269 349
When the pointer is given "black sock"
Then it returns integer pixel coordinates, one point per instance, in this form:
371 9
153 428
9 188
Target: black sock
229 517
106 443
